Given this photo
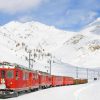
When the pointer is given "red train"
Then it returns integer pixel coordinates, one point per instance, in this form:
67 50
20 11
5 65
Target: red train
16 78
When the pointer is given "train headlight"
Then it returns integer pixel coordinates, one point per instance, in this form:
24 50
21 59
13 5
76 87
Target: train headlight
2 81
11 83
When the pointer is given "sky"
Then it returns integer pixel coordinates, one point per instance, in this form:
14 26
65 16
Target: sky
63 14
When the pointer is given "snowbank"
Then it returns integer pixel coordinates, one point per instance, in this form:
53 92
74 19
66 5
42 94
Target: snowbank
90 92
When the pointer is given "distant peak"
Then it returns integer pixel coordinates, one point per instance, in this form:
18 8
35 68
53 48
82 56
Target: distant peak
95 22
12 23
36 24
98 19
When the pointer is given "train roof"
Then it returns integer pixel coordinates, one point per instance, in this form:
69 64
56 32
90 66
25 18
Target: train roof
14 65
6 65
43 73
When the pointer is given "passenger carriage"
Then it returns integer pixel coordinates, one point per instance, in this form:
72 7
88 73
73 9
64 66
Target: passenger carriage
68 80
16 78
57 80
45 79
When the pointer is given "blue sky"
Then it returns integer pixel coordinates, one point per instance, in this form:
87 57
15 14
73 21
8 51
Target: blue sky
64 14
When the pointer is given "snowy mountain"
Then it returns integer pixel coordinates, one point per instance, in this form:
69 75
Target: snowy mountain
83 49
46 42
19 39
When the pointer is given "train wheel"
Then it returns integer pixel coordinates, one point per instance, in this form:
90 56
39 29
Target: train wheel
15 94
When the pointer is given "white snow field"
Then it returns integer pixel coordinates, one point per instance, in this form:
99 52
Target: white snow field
80 49
76 48
90 91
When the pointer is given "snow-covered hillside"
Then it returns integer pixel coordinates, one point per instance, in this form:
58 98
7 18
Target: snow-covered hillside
46 42
64 49
18 39
83 49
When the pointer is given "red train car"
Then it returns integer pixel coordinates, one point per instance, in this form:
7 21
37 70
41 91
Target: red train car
44 79
80 81
68 80
15 78
57 80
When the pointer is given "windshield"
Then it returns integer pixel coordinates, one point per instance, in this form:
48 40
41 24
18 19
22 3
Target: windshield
10 74
2 73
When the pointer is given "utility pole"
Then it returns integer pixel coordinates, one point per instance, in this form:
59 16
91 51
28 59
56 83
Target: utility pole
47 68
94 74
95 77
49 61
50 64
30 58
76 72
50 67
98 75
87 72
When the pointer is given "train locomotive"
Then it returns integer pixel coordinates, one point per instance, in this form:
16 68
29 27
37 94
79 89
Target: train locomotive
16 78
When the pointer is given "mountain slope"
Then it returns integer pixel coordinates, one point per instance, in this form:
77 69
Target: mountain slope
38 38
46 42
83 49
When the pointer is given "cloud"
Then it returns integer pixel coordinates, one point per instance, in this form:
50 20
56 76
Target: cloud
76 19
80 15
24 18
64 14
13 6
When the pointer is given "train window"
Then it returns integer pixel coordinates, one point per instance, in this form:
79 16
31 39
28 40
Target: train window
35 76
44 78
23 75
27 76
10 73
16 75
49 79
2 73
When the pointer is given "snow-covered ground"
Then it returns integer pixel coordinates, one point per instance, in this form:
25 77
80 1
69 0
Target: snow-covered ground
63 48
90 91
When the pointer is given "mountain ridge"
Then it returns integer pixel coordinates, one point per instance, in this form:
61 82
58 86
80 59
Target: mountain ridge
76 48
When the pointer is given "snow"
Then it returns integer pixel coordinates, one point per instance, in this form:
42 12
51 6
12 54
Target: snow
65 49
2 86
22 37
74 48
83 48
56 93
90 91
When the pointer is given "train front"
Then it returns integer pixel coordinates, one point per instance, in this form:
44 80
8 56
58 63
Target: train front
6 80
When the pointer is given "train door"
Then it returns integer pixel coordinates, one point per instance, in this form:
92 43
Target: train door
3 76
30 79
18 78
10 83
2 79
